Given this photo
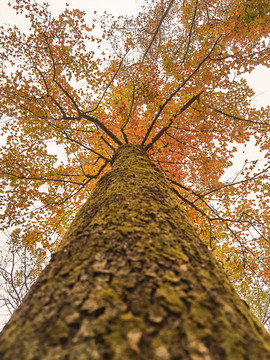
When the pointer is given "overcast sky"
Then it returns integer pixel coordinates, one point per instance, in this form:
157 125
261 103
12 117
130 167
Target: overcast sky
259 79
116 7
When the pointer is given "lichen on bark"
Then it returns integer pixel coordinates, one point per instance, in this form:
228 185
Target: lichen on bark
132 280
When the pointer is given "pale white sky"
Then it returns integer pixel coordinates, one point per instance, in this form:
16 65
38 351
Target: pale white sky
259 79
115 7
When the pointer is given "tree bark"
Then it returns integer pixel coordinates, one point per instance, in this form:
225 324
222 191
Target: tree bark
132 280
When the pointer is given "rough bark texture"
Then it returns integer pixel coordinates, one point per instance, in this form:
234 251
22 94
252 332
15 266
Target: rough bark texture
133 281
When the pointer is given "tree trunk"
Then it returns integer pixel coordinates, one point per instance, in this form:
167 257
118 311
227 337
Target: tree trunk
133 280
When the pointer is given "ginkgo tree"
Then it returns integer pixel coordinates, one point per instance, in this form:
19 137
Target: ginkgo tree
167 81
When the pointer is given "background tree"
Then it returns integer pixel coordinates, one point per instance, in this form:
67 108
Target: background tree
258 297
20 266
166 80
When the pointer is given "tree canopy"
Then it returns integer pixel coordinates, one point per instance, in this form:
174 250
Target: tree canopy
169 79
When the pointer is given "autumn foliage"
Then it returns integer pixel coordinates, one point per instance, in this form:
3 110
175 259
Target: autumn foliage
169 79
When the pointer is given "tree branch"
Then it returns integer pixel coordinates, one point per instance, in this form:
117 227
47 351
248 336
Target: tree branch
163 130
157 29
238 118
102 127
190 31
161 108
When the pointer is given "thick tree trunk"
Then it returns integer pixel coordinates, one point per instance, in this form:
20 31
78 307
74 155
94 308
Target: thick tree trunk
133 281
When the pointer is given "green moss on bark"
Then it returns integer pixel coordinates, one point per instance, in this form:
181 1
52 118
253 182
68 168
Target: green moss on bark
132 280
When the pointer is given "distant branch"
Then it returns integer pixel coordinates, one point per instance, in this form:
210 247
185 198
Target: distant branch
39 178
140 65
107 87
210 207
157 29
226 221
238 118
57 82
232 184
76 141
190 31
163 130
161 108
76 191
